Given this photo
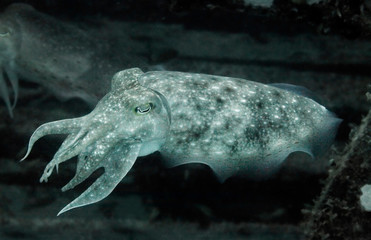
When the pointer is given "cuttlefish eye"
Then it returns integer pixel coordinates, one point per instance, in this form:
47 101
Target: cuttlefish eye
144 108
5 31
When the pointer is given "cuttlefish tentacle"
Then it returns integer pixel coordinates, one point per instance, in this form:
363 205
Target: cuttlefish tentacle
57 127
86 165
4 93
13 79
55 161
118 163
84 138
9 46
71 147
89 160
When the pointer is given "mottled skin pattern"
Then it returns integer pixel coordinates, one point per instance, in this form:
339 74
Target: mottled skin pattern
221 121
235 126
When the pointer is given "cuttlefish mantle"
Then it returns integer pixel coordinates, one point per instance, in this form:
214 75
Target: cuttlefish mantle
235 126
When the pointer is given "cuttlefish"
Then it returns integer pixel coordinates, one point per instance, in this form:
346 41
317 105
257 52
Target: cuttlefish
69 60
235 126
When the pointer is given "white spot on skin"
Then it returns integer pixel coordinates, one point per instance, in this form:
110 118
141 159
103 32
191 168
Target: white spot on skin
202 98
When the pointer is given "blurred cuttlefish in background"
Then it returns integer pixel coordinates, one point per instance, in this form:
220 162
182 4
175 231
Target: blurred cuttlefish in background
69 61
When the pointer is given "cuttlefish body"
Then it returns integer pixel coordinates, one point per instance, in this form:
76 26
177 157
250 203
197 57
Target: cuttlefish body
235 126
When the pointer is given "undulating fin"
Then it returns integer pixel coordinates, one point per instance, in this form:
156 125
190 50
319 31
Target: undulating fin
299 90
324 137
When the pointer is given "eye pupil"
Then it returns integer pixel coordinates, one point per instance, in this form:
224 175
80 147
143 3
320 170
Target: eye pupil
145 108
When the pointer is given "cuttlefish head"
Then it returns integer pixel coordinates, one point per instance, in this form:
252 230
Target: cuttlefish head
130 121
9 46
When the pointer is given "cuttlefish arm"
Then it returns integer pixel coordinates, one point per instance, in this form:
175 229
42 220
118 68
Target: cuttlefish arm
5 94
118 163
130 121
57 127
9 42
13 79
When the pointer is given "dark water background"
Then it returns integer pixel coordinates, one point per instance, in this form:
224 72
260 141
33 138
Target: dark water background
305 45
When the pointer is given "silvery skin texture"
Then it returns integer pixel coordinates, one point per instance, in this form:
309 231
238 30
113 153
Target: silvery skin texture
235 126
